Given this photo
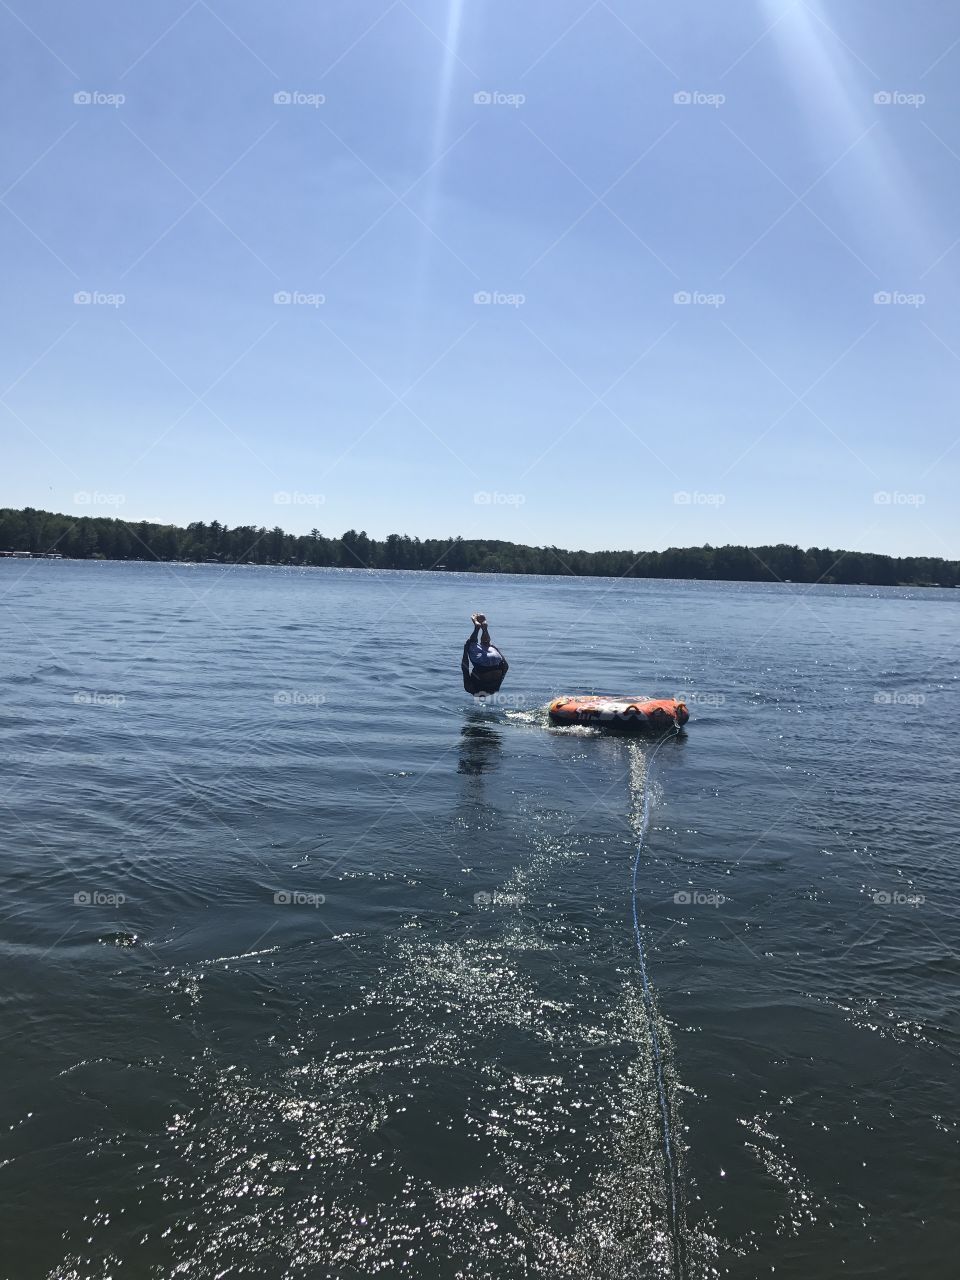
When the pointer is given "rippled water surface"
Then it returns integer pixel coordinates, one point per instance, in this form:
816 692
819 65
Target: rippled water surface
313 968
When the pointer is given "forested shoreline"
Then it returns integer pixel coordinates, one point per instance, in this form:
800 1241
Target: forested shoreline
106 538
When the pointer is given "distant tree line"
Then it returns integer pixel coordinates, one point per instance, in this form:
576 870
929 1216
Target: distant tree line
103 538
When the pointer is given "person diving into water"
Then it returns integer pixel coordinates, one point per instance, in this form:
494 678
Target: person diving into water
488 663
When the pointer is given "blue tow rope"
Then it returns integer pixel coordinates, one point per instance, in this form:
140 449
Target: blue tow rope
676 1241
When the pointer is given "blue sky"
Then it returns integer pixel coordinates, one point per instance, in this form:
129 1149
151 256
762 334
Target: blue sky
617 156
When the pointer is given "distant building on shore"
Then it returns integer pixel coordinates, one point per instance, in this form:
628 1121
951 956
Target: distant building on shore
32 555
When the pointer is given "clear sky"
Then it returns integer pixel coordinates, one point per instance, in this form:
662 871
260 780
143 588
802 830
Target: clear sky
618 155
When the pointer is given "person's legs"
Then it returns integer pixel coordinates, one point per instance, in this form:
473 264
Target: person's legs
471 649
478 652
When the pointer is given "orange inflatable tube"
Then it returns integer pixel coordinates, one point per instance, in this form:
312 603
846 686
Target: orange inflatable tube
626 713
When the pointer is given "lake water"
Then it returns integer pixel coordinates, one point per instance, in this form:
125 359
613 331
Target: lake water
313 968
